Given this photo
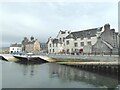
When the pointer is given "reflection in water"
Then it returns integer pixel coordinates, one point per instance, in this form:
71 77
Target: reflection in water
29 69
72 74
49 75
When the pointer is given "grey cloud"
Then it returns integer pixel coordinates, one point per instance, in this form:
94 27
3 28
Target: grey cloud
42 20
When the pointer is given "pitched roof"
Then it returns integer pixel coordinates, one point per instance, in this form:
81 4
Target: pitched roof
15 45
55 41
62 32
84 33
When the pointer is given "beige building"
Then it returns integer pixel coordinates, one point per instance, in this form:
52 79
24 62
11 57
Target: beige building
31 46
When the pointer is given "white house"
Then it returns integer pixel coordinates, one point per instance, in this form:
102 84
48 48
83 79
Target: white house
81 41
57 44
15 48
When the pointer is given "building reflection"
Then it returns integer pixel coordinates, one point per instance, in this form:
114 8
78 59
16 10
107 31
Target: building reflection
29 69
66 73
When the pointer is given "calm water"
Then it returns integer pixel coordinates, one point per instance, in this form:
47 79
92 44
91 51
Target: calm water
49 75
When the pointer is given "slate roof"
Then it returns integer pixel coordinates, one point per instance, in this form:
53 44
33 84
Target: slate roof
15 45
62 32
55 41
84 33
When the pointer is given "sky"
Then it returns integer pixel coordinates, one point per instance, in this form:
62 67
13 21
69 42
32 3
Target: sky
45 19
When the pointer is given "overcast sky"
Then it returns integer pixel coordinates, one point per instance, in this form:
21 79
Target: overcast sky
45 19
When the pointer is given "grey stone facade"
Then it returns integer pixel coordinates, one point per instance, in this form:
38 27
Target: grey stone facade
107 42
31 45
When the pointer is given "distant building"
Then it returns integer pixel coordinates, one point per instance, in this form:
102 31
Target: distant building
101 39
15 48
43 47
31 46
4 50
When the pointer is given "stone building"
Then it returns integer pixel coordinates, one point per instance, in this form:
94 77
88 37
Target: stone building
107 41
31 46
84 41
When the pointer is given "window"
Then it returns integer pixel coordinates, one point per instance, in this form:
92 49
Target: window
76 44
67 50
72 49
13 49
56 44
82 43
89 43
75 38
53 44
67 42
113 36
50 45
82 38
114 45
53 50
50 50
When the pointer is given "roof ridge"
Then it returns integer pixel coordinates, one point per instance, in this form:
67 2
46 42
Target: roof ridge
86 30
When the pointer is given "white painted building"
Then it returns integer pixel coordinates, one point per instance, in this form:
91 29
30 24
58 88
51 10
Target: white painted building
75 42
15 48
57 44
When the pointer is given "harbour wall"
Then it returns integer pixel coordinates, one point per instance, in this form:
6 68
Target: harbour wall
113 58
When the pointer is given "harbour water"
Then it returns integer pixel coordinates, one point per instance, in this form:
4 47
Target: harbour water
51 75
